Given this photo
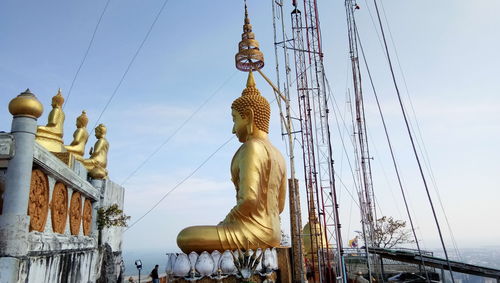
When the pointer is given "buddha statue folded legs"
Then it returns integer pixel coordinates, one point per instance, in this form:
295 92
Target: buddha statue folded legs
259 176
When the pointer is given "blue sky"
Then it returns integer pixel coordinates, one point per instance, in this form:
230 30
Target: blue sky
448 55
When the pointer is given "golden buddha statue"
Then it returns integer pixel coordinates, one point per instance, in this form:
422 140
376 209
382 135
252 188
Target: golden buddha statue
50 136
259 175
80 136
96 164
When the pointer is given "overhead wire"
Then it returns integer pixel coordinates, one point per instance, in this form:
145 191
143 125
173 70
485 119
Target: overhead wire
168 139
344 147
418 133
86 52
374 146
393 157
131 62
410 136
179 184
154 152
374 25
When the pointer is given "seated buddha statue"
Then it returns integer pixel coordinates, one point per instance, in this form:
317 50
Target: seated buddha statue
80 136
50 136
96 164
258 172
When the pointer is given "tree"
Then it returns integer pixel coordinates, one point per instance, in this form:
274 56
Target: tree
389 232
111 216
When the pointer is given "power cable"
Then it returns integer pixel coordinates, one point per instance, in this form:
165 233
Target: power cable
131 61
177 130
396 169
412 141
374 25
86 52
374 146
347 190
335 106
179 184
418 133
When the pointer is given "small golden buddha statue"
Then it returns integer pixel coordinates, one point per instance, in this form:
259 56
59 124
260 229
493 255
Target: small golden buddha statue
96 164
50 136
259 175
80 136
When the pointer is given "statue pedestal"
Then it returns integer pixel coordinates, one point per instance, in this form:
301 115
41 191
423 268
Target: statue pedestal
50 142
67 157
274 266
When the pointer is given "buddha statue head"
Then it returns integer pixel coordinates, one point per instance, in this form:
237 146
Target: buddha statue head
100 131
82 120
57 100
250 110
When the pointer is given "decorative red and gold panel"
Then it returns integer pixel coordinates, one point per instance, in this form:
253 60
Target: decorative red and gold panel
59 208
87 217
38 203
75 213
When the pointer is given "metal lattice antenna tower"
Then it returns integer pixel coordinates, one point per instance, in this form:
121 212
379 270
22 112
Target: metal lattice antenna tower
281 41
366 195
318 161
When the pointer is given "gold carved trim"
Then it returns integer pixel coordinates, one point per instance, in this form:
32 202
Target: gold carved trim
75 213
87 217
59 208
66 157
38 204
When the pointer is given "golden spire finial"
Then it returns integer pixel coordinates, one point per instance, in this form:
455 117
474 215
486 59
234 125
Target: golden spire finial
249 56
26 104
250 80
251 88
247 20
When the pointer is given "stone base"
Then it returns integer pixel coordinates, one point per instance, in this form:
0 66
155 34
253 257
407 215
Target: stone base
9 269
231 279
14 235
274 266
51 143
67 157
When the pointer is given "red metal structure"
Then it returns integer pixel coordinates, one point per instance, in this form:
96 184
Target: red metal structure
316 142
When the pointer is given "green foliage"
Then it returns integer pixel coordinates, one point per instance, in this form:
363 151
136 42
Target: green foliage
111 217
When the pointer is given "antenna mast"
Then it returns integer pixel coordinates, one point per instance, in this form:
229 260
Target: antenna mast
326 240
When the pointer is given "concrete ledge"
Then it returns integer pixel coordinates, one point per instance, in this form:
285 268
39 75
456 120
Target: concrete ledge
42 243
55 167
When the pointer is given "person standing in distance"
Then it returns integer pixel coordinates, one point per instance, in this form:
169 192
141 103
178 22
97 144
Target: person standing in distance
154 274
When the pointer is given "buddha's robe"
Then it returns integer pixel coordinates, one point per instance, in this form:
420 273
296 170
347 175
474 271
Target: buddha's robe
96 164
51 135
258 172
54 128
99 157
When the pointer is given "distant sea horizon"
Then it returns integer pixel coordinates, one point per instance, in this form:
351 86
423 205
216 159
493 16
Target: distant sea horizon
148 258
